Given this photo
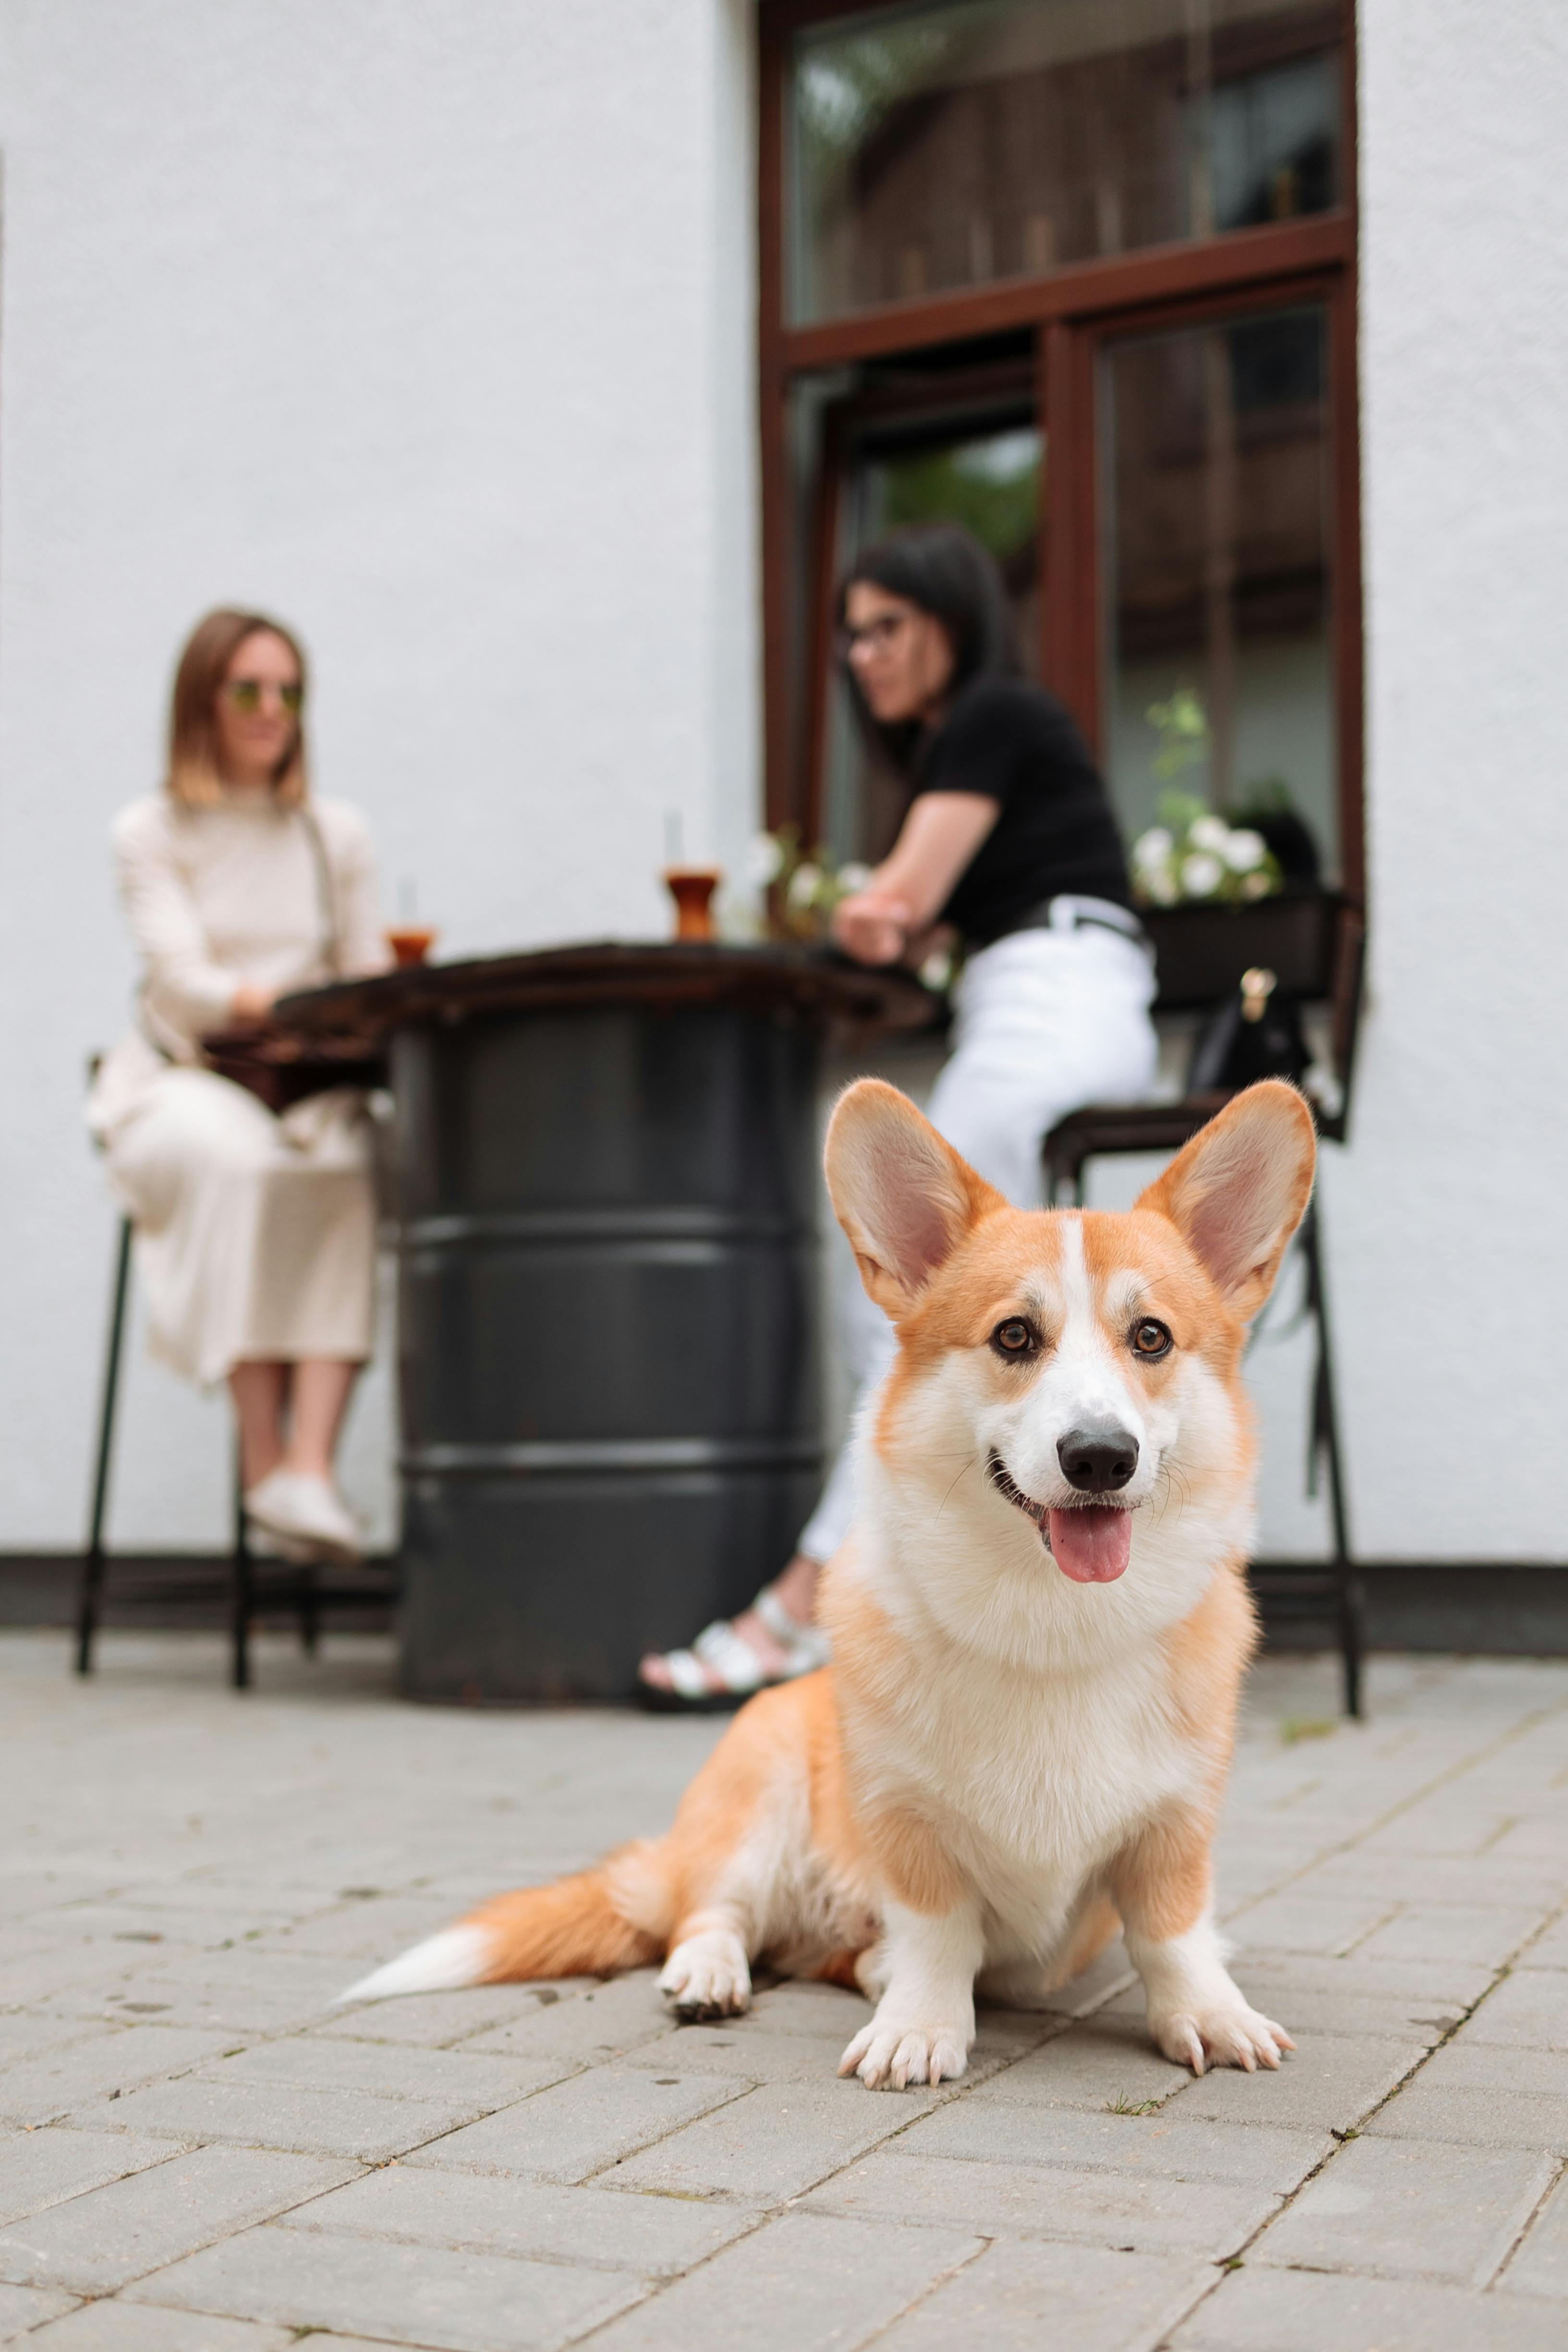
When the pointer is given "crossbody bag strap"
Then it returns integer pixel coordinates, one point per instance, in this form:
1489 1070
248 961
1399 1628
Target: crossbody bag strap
326 893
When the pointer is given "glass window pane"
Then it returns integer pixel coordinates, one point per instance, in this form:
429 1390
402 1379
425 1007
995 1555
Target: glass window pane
1216 562
951 145
989 480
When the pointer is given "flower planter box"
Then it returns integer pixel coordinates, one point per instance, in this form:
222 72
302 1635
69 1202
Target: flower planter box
1202 951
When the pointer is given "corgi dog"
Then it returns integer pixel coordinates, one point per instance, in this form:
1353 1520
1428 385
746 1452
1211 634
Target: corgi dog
1040 1627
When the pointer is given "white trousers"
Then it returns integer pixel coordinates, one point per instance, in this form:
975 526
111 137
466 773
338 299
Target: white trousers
1045 1022
256 1236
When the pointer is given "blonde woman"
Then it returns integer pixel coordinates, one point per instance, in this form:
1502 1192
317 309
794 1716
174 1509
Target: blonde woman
254 1233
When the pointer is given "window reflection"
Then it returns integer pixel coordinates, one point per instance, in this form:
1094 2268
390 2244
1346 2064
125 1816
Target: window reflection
1215 561
944 146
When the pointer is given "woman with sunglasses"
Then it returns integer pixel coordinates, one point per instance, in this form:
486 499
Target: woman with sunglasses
254 1233
1010 847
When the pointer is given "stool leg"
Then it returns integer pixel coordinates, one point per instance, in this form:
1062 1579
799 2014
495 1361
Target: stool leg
1325 1441
92 1562
310 1613
241 1594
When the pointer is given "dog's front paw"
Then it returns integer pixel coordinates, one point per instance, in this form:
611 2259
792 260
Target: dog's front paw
890 2054
707 1976
1220 2034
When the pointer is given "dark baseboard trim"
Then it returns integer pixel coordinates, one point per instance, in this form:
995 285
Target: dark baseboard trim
1483 1607
40 1587
1487 1608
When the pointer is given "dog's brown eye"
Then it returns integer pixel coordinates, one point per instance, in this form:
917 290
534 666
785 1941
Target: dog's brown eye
1013 1337
1150 1339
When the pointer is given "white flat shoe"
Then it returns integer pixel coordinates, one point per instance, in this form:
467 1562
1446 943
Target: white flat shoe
308 1511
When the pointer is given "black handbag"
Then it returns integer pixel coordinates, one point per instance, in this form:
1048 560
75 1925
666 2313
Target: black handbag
1255 1033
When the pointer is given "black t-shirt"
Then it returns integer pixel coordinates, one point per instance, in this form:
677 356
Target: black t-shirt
1015 743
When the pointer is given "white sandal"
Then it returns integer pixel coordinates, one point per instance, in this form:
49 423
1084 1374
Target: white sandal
720 1651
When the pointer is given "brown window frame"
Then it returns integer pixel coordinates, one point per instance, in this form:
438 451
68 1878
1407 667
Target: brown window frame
1071 311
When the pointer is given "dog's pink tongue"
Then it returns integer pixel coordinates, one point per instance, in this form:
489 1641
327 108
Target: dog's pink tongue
1092 1546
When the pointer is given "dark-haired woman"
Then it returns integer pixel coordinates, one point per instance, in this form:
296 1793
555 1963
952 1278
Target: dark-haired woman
1010 842
255 1234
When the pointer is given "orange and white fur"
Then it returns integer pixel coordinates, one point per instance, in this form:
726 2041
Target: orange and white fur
1040 1628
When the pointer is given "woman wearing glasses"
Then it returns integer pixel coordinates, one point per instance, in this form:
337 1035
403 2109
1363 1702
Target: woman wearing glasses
254 1233
1009 846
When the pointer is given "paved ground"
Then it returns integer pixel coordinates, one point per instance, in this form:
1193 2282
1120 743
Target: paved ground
196 2156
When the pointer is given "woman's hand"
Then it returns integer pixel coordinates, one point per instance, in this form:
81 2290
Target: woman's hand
250 1005
871 926
936 842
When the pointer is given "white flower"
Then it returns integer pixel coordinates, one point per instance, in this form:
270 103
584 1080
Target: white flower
1161 886
1210 832
804 884
1244 850
764 860
1151 849
1255 886
854 876
1201 875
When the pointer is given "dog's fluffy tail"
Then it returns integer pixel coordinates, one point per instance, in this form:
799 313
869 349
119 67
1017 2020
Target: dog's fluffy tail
616 1916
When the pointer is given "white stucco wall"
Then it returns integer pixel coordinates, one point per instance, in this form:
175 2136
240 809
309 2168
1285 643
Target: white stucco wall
432 329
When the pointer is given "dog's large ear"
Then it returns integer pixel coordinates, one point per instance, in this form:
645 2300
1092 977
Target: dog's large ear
901 1195
1239 1191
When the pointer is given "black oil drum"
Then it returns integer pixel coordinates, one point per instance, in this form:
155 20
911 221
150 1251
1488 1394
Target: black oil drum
609 1349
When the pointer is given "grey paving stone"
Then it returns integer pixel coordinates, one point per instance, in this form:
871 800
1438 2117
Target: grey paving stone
804 2282
1530 2007
273 2114
115 2326
476 2085
1250 2155
1106 2058
1541 2264
29 2033
23 2309
1405 2208
655 2236
229 2007
1473 2118
96 2242
1447 1984
797 2005
441 2020
38 2168
584 2125
368 1933
1259 2309
746 2057
1487 1932
770 2144
1023 2298
1303 1922
1329 2083
38 2089
405 2294
1465 2064
1205 2220
1550 1950
592 2026
1526 1887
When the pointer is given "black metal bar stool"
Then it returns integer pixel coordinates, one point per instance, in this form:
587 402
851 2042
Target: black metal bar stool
255 1589
1316 944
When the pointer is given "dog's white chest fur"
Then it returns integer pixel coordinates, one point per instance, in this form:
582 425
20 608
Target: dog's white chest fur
1031 1781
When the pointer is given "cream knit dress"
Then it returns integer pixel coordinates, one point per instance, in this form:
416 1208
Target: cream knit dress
255 1234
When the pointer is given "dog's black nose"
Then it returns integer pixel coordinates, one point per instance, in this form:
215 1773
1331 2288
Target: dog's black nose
1098 1461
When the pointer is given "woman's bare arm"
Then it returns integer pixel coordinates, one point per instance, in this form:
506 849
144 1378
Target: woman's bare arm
908 891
